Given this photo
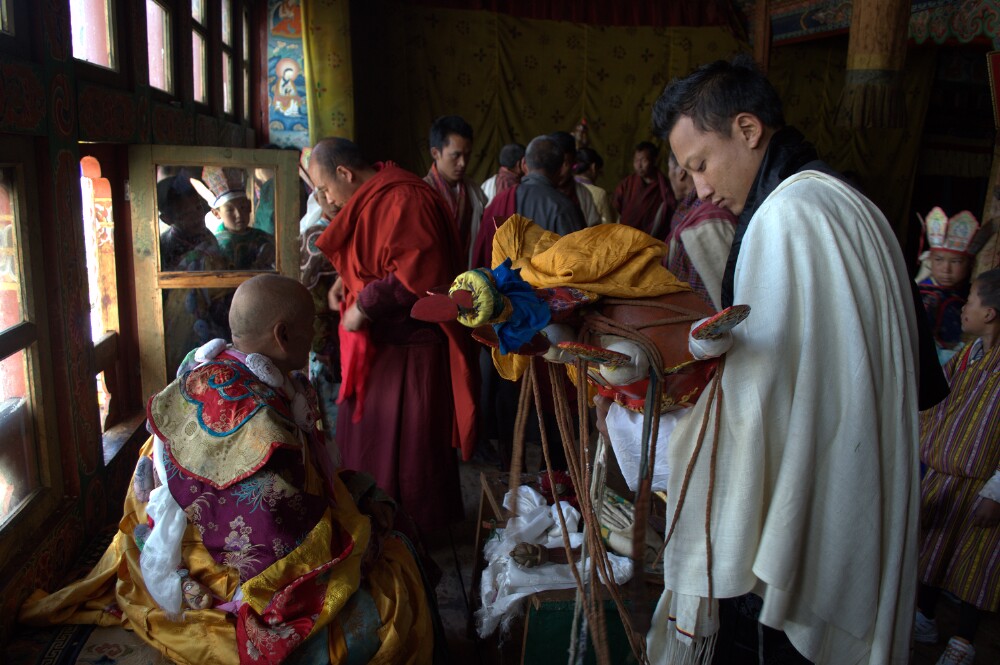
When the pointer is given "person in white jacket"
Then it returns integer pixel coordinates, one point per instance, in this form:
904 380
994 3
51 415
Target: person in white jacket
809 481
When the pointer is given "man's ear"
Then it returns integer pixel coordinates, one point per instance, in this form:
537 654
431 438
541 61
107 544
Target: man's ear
749 128
992 315
281 338
435 154
215 211
346 174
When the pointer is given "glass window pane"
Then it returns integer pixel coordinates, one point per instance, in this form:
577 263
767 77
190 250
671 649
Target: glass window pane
200 77
198 11
246 38
227 82
208 222
6 20
93 31
158 46
18 455
99 239
191 318
227 23
11 312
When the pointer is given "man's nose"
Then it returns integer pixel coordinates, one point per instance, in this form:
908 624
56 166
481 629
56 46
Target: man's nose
704 190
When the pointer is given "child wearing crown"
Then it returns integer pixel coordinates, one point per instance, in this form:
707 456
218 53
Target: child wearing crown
953 245
960 495
245 247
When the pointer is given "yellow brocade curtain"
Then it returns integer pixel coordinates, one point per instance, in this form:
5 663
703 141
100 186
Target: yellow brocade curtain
513 79
327 48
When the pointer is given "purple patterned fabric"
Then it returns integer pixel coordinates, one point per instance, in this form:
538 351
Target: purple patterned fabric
252 523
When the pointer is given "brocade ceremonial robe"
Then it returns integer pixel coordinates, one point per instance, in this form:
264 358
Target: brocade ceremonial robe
251 508
944 310
252 249
407 394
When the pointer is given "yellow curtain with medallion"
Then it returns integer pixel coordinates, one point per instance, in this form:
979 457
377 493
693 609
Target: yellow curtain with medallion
326 41
514 78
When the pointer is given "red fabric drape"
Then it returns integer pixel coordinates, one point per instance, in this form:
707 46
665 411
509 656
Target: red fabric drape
602 12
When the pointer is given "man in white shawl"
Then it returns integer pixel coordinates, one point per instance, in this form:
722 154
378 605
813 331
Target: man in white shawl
815 499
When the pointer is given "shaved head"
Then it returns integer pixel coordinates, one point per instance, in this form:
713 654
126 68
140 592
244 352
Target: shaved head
273 315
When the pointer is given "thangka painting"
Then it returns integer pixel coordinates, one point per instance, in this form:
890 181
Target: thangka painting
288 119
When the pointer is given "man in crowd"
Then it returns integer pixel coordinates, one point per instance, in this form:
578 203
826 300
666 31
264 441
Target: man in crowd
406 398
240 541
536 197
701 234
644 199
451 148
577 192
813 467
511 170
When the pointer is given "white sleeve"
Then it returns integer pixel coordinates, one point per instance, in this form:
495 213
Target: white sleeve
161 555
625 433
991 490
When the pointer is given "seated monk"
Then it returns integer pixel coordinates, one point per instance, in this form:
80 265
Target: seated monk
239 542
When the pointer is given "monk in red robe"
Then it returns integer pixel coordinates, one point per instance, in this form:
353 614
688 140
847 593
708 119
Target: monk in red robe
407 394
645 199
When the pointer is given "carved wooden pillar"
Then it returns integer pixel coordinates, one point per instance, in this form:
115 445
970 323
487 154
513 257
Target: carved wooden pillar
762 34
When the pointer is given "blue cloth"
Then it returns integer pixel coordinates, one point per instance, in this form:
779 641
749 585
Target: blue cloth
529 313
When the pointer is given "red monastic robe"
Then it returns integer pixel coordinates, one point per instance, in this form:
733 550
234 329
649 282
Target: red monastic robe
392 242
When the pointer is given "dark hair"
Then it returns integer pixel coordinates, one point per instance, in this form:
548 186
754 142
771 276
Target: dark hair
447 125
172 191
715 93
988 288
511 154
585 157
544 154
646 146
332 152
565 141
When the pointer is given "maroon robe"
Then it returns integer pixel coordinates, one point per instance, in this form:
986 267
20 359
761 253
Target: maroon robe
408 385
638 204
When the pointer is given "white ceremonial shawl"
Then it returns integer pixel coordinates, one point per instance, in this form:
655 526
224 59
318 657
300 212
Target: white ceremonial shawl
489 188
590 214
476 198
816 492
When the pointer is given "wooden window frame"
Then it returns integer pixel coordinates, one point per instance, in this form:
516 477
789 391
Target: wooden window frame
18 152
150 281
170 10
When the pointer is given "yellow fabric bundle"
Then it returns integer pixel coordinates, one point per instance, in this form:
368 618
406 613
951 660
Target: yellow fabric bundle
610 260
607 259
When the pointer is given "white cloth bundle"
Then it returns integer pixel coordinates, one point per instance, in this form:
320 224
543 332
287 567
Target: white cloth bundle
504 583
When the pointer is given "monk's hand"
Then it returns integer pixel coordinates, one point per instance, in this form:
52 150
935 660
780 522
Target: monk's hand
602 404
354 319
986 513
335 295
